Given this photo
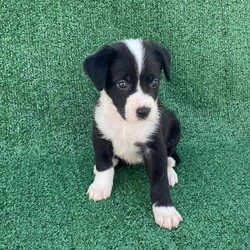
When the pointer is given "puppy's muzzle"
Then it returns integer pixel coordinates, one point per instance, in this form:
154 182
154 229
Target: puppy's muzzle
143 112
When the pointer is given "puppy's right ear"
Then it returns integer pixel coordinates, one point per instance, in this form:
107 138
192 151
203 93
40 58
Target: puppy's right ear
97 65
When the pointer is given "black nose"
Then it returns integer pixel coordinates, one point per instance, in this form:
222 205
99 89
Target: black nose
143 112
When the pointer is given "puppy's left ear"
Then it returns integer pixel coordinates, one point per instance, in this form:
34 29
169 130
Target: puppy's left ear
164 58
97 65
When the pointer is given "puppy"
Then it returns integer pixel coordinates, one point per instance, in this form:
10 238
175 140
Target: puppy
130 123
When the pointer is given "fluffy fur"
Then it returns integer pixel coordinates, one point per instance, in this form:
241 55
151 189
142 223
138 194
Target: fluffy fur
130 124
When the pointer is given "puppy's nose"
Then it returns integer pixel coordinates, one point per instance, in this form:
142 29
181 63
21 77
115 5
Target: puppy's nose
143 112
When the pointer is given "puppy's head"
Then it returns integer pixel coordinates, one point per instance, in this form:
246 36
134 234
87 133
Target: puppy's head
129 73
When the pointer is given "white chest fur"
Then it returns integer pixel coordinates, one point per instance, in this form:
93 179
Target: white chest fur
123 135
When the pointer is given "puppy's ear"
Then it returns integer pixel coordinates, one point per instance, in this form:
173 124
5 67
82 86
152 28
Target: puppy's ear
164 58
97 65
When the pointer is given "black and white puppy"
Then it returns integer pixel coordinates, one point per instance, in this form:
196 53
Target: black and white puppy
130 123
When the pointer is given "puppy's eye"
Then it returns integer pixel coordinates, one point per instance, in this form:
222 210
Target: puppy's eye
154 83
123 85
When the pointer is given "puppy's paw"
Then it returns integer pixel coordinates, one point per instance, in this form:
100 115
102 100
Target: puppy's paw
172 177
171 162
166 217
102 186
98 191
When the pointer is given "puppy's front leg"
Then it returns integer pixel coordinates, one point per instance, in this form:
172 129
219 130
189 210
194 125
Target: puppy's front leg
104 169
165 213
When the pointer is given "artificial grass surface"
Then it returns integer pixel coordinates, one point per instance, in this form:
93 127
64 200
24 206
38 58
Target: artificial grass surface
46 103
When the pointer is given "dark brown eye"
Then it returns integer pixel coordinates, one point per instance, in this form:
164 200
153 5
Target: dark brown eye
123 85
154 83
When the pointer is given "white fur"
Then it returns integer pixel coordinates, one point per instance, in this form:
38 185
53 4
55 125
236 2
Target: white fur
136 48
172 176
124 134
138 100
102 185
115 161
167 217
171 162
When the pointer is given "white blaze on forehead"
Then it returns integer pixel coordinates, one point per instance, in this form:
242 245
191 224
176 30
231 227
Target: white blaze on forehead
136 48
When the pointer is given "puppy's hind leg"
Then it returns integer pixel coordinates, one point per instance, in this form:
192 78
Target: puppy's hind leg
173 159
172 176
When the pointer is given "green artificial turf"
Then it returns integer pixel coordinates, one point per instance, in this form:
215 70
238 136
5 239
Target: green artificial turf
46 103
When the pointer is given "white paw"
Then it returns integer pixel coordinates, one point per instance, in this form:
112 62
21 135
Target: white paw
166 217
171 162
172 177
98 192
102 186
